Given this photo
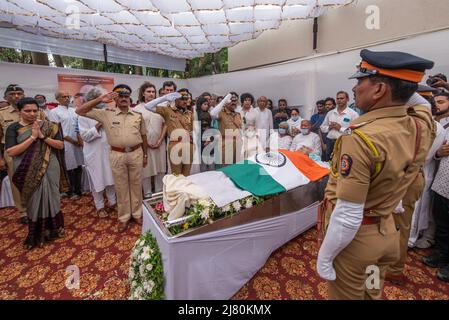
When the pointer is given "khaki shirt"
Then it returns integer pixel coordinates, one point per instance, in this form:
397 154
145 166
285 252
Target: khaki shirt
177 120
228 120
122 129
9 115
393 132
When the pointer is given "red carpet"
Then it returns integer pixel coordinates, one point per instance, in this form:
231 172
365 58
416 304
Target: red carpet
102 255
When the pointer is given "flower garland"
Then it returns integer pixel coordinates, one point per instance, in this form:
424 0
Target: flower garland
146 274
205 211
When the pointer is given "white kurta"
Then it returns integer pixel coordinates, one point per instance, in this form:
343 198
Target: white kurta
68 120
248 115
157 158
96 154
312 141
264 124
251 146
423 207
294 124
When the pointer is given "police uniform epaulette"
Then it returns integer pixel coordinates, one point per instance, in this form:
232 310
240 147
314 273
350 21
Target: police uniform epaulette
4 108
109 109
353 127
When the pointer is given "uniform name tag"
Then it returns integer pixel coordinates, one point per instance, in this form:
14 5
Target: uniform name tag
116 123
9 120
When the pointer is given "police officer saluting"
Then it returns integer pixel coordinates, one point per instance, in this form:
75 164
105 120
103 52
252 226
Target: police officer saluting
125 131
372 167
173 108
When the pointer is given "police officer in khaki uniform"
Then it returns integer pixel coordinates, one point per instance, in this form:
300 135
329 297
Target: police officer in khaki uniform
403 214
8 116
372 167
179 122
230 125
125 131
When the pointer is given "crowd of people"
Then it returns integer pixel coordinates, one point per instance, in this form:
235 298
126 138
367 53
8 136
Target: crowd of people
128 148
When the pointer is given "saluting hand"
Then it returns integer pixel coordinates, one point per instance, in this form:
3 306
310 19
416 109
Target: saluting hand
172 96
109 97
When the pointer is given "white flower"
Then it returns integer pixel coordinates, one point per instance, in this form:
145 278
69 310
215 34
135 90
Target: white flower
249 203
204 203
227 208
237 206
134 284
149 267
146 252
142 270
131 274
205 213
149 286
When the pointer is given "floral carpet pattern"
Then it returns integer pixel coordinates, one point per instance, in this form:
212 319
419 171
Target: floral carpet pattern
102 256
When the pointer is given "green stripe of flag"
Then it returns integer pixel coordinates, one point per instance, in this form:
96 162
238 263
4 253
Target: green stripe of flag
250 176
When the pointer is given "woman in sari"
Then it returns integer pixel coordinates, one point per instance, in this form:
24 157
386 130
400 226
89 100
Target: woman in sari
38 172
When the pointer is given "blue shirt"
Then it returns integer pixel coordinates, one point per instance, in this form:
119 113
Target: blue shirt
317 119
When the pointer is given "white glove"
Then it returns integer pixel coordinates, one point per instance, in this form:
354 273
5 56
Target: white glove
172 96
343 226
399 208
228 98
215 111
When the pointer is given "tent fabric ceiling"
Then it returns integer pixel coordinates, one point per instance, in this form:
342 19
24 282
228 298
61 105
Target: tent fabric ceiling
177 28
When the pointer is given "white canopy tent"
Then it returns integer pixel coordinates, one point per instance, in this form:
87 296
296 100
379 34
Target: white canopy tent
301 82
177 28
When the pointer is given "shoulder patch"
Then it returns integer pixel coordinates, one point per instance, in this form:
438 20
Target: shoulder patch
345 165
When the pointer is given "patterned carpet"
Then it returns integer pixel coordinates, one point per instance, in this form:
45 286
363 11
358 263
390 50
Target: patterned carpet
102 254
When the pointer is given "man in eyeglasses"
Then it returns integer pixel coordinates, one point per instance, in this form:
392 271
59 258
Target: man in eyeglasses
374 163
179 121
73 151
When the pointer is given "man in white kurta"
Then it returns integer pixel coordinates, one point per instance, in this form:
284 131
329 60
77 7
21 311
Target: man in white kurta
72 145
96 157
264 121
306 141
157 156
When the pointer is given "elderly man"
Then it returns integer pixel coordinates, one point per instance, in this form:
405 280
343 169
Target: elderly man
126 132
307 141
264 122
96 156
73 152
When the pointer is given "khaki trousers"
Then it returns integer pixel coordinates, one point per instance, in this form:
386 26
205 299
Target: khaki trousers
403 222
15 192
180 157
127 174
374 248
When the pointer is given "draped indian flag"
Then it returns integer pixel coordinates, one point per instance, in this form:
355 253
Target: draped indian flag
261 175
274 172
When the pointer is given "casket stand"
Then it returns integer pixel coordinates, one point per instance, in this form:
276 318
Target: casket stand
214 261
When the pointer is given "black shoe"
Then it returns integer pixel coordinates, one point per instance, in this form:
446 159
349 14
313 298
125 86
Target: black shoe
443 273
435 260
24 220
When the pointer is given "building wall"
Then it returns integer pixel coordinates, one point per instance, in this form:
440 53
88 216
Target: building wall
341 29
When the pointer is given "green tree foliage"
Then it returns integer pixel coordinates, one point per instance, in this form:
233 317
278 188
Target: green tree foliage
209 64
